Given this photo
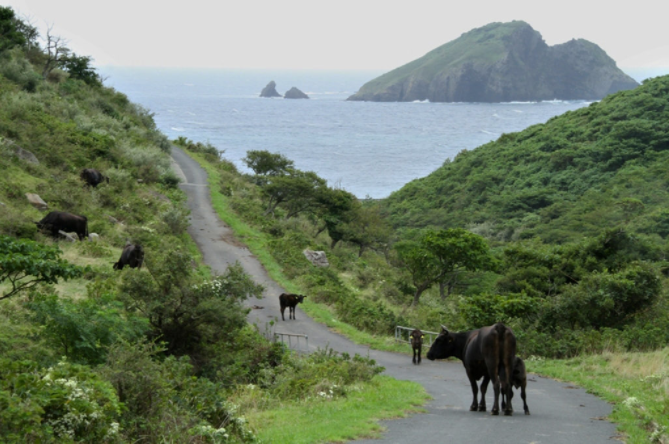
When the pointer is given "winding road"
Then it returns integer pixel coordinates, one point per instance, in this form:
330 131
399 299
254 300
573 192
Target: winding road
561 413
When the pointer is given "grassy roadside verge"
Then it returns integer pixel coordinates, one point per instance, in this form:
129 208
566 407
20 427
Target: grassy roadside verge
342 419
636 383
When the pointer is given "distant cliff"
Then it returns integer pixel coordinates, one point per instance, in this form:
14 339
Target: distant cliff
502 62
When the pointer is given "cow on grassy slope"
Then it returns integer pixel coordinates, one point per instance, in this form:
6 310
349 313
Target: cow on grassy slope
132 256
57 221
289 300
483 352
93 177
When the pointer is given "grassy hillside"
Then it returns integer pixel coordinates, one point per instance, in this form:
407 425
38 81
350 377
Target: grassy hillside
595 167
157 354
481 45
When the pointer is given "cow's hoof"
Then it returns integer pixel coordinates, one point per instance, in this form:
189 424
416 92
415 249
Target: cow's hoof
473 408
508 412
527 412
494 412
482 408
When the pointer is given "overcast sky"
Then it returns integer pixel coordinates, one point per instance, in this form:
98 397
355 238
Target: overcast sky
342 34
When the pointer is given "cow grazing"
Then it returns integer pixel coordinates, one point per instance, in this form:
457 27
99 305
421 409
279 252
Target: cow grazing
289 300
57 221
483 352
416 338
132 256
518 380
93 177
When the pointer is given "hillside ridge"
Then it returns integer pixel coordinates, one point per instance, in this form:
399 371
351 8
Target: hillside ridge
501 62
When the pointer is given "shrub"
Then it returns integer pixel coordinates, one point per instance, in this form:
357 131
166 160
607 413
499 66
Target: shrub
83 330
64 403
176 220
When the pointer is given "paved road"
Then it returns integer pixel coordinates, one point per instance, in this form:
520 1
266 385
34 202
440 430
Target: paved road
561 413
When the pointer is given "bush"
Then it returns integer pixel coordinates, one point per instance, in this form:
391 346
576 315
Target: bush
83 330
64 403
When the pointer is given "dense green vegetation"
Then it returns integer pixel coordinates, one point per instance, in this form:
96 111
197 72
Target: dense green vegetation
597 167
157 354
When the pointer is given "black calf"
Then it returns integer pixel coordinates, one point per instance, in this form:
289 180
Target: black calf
289 300
416 338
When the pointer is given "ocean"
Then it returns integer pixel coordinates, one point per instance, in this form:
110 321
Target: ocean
369 149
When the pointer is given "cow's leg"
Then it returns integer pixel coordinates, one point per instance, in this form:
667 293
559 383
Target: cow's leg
507 389
484 389
420 349
282 310
475 392
522 395
492 366
414 355
506 397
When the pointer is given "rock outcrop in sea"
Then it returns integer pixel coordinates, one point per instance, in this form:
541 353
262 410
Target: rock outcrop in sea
270 90
502 62
294 93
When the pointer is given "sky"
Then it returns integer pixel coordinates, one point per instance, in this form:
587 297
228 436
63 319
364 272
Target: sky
331 35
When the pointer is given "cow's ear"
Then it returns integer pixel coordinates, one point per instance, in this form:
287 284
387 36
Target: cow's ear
422 336
444 329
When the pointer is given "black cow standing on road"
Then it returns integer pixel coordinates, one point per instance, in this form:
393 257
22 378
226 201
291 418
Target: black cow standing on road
289 300
483 352
57 221
518 380
416 338
93 177
132 256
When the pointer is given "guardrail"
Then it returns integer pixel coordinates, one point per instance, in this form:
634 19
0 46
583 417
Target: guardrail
299 345
402 332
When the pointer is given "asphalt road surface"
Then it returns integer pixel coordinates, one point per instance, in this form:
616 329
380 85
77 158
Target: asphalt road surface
560 412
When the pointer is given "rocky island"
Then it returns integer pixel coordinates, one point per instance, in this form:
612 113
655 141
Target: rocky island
270 90
294 93
501 62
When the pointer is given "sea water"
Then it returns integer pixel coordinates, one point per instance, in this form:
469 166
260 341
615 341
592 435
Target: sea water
370 149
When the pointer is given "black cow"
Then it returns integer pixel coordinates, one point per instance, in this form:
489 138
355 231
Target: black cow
289 300
57 221
483 352
132 256
93 177
518 380
416 338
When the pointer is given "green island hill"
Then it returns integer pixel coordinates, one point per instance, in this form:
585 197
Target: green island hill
501 62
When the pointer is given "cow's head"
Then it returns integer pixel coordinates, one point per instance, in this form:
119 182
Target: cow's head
443 347
300 298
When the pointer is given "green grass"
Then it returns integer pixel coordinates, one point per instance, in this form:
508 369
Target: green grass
636 383
355 416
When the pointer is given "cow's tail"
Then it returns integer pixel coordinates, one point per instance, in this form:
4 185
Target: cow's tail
507 351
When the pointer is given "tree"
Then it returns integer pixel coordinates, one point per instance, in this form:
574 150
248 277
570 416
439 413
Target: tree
264 163
440 255
298 191
25 263
457 250
367 229
10 29
80 68
184 311
55 51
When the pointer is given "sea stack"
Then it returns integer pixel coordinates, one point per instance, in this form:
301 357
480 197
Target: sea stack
294 93
270 90
502 62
